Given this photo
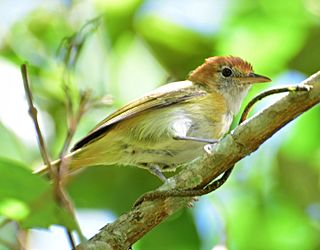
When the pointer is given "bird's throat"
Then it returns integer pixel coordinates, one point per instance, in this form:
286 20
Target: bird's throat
234 97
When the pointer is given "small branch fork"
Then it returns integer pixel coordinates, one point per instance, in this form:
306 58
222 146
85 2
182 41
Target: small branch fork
60 195
74 115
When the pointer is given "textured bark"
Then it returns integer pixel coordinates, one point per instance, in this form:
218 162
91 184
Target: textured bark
243 140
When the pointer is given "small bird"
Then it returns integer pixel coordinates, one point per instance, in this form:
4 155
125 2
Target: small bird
169 126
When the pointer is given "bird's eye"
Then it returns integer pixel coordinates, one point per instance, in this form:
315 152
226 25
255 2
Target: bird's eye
226 72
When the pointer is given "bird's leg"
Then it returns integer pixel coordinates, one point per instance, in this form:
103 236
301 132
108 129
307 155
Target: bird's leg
153 195
155 169
197 139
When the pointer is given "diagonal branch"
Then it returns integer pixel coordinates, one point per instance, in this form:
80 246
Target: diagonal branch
243 140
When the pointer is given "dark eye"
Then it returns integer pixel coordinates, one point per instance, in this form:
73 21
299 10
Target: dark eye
226 72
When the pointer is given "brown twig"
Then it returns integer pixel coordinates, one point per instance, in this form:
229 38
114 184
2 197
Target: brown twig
74 120
59 193
268 93
69 51
22 238
34 116
65 202
62 169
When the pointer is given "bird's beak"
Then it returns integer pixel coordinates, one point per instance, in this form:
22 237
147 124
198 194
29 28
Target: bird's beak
254 78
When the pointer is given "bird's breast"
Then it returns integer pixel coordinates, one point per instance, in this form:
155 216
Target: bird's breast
210 117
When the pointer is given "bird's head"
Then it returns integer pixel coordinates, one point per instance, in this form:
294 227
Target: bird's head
231 76
225 72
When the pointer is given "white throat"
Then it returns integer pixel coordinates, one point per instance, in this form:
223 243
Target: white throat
234 97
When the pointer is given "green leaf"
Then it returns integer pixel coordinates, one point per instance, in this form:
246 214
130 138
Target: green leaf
11 146
302 143
272 221
118 17
14 209
266 33
112 187
28 198
178 49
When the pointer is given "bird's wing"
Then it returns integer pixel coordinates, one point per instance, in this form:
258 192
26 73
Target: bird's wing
166 95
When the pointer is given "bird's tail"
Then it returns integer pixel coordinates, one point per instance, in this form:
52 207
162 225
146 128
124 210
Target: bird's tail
43 170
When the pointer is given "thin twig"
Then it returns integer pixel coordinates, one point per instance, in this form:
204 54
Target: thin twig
64 201
69 50
268 93
22 238
62 168
59 193
34 116
73 47
74 121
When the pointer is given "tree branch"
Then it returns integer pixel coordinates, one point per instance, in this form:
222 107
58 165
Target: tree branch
243 140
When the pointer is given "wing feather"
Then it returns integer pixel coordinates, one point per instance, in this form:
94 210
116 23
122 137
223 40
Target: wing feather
166 95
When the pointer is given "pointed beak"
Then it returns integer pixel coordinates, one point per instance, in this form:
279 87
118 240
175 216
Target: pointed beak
254 78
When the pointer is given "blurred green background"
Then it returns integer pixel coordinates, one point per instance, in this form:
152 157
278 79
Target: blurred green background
124 48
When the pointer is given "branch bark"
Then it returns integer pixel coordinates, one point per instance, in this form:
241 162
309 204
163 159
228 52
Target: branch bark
243 140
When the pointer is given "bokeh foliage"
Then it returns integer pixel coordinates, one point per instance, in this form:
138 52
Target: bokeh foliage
272 200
